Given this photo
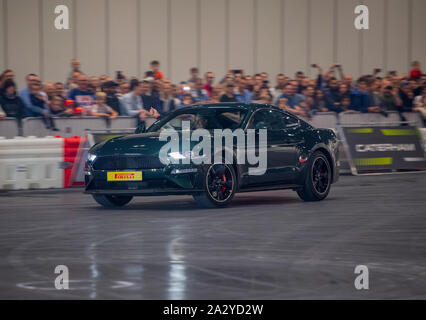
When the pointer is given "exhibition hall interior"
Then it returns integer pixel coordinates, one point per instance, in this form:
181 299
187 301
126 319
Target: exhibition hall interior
201 150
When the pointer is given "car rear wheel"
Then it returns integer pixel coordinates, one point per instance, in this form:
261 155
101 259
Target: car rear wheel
317 180
112 201
219 184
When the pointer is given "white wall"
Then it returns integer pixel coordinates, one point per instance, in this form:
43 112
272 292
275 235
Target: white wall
214 35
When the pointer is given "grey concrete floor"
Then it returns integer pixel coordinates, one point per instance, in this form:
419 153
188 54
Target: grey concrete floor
267 245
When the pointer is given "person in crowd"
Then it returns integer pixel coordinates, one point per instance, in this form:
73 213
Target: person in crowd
229 95
332 94
265 98
112 101
168 100
149 101
103 78
242 94
360 99
407 96
132 104
39 105
75 68
186 101
294 99
198 93
34 88
420 104
283 104
249 82
389 100
346 105
82 95
58 108
416 87
308 105
277 91
95 84
194 74
374 96
7 74
215 97
101 109
124 89
320 104
155 68
73 82
11 104
208 86
59 90
416 72
49 89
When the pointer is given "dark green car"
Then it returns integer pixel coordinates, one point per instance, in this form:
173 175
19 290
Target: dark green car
290 153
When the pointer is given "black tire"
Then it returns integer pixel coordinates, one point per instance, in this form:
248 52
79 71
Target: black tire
220 184
112 201
317 179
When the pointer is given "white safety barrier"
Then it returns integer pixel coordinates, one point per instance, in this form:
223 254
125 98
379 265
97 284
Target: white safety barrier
326 120
68 127
9 128
31 163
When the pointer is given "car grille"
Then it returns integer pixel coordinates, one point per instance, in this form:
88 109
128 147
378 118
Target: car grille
127 162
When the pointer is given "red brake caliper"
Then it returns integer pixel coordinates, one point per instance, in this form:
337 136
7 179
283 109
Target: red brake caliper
224 180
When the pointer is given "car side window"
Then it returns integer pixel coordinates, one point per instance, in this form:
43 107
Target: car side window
266 119
289 121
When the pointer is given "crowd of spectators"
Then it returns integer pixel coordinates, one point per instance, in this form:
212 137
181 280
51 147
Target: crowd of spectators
155 95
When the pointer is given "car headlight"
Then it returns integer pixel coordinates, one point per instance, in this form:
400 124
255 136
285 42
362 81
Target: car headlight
91 157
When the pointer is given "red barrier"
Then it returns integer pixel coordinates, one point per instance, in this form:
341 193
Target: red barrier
70 151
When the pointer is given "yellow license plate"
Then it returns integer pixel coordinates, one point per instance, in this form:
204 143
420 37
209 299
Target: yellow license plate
124 176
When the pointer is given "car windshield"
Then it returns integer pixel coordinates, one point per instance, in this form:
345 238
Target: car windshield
202 118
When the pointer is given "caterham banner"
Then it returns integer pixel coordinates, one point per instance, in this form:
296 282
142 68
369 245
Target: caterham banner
373 149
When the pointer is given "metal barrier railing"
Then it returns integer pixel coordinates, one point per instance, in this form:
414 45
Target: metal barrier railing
69 127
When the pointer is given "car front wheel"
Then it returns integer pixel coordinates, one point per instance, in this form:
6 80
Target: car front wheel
317 179
112 201
219 184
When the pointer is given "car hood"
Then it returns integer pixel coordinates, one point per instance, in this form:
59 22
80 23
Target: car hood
144 143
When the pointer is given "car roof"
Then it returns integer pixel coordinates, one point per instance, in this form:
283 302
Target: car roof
231 105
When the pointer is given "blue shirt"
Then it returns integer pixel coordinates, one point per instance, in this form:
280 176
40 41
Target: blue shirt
33 110
246 96
293 100
360 101
82 98
131 104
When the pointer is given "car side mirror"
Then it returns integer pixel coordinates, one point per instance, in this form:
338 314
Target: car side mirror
141 128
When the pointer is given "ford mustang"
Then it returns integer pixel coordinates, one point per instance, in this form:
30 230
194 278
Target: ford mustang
295 156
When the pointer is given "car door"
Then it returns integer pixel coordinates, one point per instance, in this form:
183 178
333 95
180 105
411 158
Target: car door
277 152
292 137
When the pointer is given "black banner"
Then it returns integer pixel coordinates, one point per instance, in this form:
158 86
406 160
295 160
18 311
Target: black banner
384 148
